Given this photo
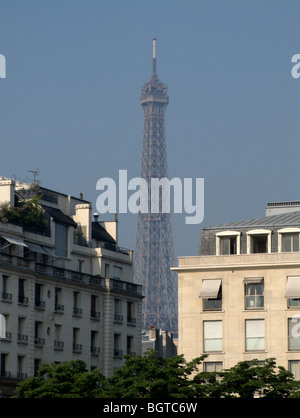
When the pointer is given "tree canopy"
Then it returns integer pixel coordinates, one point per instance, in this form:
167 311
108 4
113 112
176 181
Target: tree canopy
151 376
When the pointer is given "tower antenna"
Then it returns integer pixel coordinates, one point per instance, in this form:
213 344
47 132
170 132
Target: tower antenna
154 57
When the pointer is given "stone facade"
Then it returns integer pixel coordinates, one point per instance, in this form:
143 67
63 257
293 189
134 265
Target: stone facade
65 293
244 304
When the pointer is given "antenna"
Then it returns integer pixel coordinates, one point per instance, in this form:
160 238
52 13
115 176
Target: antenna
35 173
154 56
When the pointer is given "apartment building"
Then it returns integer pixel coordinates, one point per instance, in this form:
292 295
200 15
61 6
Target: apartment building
66 288
240 298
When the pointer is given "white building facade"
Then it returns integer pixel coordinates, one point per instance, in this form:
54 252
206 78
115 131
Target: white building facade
65 292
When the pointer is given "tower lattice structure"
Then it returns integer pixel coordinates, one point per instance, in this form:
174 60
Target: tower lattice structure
154 251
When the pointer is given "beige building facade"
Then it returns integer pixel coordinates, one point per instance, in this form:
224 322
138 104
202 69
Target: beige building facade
240 298
66 292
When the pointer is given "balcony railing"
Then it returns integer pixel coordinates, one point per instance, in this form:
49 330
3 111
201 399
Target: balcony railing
118 353
95 350
77 348
69 275
58 345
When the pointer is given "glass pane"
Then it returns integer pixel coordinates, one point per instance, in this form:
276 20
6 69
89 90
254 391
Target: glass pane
294 343
225 245
287 243
213 344
296 242
61 240
212 304
293 302
255 343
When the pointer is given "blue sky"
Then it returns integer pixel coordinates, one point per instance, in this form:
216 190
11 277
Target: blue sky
70 103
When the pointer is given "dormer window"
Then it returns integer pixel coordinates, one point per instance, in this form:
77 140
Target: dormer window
258 241
288 240
228 242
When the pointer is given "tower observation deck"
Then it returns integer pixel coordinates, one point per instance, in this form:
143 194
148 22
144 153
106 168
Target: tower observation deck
154 251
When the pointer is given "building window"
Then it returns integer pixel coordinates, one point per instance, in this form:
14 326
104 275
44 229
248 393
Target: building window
37 334
118 352
38 302
130 313
61 240
294 367
288 240
95 350
228 242
258 241
22 338
5 295
293 334
117 272
2 326
212 336
58 307
58 343
118 317
255 334
292 292
130 345
254 293
212 366
95 314
211 293
21 292
76 304
20 367
76 346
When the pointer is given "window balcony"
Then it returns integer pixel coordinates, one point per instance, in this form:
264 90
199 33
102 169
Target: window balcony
118 353
6 297
77 311
23 300
39 304
77 348
5 336
131 320
118 318
95 350
23 339
59 308
39 341
95 315
58 345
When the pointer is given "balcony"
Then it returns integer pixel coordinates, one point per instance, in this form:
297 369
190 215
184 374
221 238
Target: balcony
58 308
77 348
95 315
77 311
118 318
58 345
118 353
39 341
5 336
22 300
22 339
95 350
131 320
39 304
6 297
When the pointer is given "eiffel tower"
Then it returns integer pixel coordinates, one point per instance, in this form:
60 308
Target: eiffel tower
154 251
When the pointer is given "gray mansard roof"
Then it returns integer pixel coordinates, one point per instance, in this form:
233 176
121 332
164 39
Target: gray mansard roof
272 222
284 219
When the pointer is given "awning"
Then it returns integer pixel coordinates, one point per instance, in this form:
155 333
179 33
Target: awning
293 287
14 241
210 288
253 280
36 248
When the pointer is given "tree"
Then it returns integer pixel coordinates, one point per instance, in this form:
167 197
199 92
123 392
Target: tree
151 376
65 380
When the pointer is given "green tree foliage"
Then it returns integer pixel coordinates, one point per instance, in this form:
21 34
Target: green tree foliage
151 376
27 213
66 380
